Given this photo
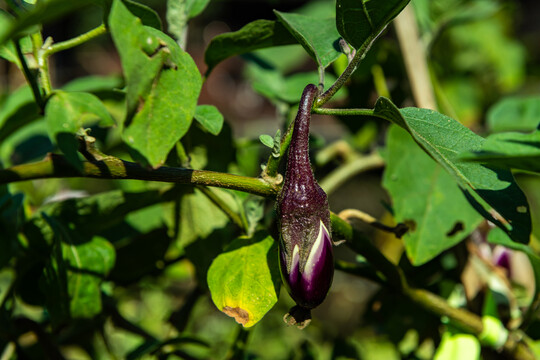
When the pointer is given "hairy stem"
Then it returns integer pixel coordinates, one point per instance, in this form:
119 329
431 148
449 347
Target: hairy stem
68 44
357 58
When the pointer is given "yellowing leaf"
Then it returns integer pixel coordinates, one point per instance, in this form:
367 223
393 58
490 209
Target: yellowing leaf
244 280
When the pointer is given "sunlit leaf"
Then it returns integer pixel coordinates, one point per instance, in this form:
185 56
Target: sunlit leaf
244 280
426 198
444 139
163 85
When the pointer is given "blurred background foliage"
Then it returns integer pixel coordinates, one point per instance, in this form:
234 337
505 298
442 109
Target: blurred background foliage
482 56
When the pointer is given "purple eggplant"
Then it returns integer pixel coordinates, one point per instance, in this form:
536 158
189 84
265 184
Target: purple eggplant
305 246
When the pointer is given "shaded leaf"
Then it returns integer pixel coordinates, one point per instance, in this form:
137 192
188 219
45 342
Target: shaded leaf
258 34
73 276
87 263
514 114
426 198
360 21
318 36
244 280
210 118
444 139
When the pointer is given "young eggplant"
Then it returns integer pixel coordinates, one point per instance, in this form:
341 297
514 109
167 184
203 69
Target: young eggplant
305 246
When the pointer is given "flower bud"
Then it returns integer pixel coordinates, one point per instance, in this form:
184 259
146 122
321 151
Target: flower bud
305 246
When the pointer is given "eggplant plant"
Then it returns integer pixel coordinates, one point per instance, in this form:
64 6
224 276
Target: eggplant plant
144 212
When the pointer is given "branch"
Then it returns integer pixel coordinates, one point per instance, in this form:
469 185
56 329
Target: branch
109 167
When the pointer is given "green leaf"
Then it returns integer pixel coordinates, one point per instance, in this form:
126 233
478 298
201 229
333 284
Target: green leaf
318 36
87 263
444 139
509 150
426 198
244 280
163 86
72 279
66 113
267 140
258 34
210 118
515 114
360 21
